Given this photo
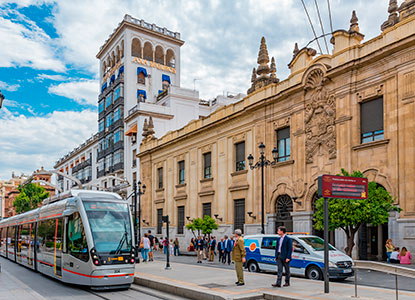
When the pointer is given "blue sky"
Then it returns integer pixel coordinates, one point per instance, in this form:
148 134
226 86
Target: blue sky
48 69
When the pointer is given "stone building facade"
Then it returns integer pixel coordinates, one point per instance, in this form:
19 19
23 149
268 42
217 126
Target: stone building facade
352 109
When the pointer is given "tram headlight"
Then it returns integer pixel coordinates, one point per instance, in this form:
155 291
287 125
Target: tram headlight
96 262
132 260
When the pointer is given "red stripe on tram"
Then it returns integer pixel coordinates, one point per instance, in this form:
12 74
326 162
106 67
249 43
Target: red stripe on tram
55 215
45 263
95 276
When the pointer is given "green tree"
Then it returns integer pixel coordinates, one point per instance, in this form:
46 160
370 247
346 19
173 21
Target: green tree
349 214
205 225
195 225
30 196
209 224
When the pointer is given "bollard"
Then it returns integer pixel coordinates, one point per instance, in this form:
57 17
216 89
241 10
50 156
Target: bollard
355 283
396 285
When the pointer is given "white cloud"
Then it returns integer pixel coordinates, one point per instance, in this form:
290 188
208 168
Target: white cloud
25 44
27 143
9 87
84 92
57 77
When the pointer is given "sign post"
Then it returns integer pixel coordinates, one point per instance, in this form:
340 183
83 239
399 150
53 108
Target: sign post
340 187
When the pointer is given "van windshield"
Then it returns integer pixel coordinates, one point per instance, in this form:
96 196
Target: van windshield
110 226
316 243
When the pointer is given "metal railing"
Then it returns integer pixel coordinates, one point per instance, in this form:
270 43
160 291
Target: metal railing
392 269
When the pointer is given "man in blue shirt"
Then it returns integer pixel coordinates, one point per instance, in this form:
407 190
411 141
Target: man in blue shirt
283 252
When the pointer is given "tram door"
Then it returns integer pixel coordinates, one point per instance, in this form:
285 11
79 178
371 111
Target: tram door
58 246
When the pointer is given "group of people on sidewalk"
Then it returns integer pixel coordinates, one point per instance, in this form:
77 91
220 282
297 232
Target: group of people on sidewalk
396 255
150 243
207 248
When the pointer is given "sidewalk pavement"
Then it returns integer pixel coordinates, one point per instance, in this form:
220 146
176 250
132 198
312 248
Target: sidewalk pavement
198 282
13 288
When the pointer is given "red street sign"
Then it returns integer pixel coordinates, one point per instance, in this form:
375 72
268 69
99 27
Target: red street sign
330 186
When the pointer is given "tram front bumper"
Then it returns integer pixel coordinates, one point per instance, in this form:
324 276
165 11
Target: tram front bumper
112 277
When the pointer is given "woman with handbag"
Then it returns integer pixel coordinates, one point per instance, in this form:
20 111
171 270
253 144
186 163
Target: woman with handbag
145 247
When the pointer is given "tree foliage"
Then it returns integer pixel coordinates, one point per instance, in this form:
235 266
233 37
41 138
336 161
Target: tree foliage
30 196
349 214
205 225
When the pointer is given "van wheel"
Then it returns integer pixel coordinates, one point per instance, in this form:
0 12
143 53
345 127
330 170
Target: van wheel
314 273
253 267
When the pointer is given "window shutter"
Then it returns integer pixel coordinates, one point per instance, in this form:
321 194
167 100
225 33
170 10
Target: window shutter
371 115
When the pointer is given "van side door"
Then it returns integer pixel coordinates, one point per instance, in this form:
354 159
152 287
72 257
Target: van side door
268 246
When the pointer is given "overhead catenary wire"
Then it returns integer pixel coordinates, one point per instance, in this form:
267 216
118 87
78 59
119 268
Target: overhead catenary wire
331 23
312 27
321 25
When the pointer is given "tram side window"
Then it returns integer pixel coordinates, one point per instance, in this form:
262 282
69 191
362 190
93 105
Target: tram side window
3 240
46 236
76 239
11 238
24 237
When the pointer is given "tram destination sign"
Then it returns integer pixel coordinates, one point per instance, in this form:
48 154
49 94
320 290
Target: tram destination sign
330 186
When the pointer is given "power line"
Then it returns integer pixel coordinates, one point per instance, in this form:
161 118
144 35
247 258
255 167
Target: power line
311 24
331 24
321 25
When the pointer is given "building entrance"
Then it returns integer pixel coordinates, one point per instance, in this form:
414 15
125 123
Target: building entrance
284 208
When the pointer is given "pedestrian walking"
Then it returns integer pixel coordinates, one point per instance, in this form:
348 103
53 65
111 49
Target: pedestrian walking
171 247
212 247
165 246
238 256
227 250
145 243
389 249
205 248
152 244
405 256
283 252
199 249
220 250
161 244
176 247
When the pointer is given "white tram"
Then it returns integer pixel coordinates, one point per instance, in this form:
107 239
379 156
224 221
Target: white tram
83 237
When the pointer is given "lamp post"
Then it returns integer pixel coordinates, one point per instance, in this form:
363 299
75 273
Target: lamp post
262 163
1 99
141 190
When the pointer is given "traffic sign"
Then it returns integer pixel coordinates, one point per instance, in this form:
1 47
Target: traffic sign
344 187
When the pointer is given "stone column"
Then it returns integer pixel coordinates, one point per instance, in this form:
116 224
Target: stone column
302 221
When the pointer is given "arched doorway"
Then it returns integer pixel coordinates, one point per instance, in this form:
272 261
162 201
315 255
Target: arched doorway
284 208
372 239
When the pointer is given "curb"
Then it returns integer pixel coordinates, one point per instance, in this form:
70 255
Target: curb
198 293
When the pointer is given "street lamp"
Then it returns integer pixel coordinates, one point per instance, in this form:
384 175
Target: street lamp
1 99
141 191
263 162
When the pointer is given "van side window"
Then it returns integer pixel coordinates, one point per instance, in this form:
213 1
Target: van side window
297 247
269 243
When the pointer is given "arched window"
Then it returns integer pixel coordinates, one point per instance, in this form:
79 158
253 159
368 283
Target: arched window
148 51
122 49
159 55
136 48
284 208
117 53
170 58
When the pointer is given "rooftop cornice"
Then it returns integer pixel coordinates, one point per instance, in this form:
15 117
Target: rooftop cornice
153 29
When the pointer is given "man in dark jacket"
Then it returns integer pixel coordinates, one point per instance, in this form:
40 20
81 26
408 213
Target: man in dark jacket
227 245
221 249
283 252
199 249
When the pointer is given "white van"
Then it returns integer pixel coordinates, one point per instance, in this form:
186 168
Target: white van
307 257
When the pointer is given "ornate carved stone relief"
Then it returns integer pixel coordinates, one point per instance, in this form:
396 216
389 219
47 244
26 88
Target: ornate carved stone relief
320 116
239 138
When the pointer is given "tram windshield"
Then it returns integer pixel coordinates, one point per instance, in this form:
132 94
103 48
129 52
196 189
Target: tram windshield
110 226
